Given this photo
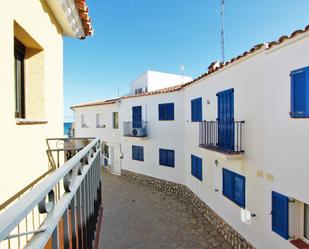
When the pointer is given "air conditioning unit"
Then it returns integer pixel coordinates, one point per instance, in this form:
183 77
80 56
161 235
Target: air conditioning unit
139 132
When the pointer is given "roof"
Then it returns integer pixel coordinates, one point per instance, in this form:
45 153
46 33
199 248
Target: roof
213 67
84 17
72 17
95 103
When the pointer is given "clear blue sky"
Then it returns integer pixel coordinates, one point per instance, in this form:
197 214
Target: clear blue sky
132 36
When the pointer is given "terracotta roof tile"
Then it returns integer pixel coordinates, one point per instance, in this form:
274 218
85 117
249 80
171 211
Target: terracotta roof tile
285 37
95 103
84 17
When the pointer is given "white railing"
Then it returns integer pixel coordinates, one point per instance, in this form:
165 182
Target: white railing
70 218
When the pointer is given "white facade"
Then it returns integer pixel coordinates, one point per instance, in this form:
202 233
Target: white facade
275 144
151 81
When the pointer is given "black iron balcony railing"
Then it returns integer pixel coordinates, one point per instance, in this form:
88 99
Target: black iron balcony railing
225 137
135 129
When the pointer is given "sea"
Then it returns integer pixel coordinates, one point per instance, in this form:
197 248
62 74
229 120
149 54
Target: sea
67 127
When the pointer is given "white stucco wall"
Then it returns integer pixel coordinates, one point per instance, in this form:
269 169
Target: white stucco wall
156 80
161 134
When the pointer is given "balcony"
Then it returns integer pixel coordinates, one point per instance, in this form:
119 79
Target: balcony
135 129
222 137
62 208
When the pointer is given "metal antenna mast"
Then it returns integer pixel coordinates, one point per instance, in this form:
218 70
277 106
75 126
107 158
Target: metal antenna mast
222 31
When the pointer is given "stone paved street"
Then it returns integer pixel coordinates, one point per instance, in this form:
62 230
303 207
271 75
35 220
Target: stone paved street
140 217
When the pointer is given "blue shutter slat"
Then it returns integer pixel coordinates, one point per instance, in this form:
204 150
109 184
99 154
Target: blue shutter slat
280 214
240 187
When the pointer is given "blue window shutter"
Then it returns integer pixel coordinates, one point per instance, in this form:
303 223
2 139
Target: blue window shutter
166 111
137 116
196 167
280 214
141 153
162 157
135 152
199 169
300 93
193 165
196 110
240 193
170 111
170 158
228 184
199 109
161 112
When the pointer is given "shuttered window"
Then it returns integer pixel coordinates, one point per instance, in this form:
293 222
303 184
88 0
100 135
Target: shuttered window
196 167
166 111
234 187
196 110
300 93
167 157
138 153
280 214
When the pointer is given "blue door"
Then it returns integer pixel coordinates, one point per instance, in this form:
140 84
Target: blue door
226 120
137 117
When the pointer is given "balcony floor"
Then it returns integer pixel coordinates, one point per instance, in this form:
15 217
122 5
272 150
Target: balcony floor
140 217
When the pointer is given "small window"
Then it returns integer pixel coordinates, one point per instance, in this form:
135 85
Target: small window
99 121
166 111
196 110
167 157
138 153
115 120
196 167
300 93
19 54
234 187
84 121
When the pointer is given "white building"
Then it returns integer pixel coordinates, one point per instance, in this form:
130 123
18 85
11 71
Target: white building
152 80
237 137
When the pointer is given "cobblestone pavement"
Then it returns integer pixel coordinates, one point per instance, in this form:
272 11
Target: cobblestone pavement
140 217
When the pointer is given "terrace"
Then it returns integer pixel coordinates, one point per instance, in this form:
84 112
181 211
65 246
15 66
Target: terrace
64 209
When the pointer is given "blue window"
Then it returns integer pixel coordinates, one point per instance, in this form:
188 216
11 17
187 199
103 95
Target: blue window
167 158
138 153
166 111
300 93
234 186
137 117
196 167
196 110
280 214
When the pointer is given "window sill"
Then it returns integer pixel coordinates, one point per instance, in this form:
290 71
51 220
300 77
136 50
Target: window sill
300 244
30 122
